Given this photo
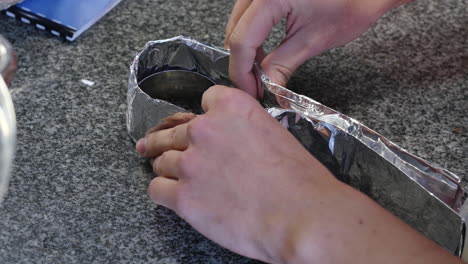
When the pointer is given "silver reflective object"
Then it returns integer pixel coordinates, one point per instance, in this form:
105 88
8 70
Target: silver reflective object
425 196
7 115
182 88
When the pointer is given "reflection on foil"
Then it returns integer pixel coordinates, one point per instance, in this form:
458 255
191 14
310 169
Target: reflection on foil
440 182
427 197
182 88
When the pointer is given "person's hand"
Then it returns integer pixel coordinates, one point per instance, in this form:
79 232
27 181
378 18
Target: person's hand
235 174
241 179
313 26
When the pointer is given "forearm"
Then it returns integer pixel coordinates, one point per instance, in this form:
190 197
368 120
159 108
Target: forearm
357 230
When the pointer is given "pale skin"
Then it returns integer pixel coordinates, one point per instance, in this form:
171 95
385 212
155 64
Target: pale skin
242 180
313 26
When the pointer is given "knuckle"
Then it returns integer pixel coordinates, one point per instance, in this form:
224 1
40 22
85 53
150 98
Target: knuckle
172 136
186 163
213 90
239 102
222 96
231 98
235 40
199 127
182 202
225 99
156 166
284 72
150 143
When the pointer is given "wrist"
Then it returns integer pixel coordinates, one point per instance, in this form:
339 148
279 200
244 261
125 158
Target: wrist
318 234
295 228
307 234
356 229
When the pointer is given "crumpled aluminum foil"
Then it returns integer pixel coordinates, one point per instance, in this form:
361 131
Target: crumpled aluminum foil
425 196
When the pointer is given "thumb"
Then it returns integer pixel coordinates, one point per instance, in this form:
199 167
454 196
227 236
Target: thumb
281 63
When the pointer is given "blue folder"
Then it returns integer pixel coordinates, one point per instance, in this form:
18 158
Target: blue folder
65 18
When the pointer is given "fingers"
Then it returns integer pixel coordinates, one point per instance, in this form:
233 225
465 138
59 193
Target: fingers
172 121
163 191
237 11
294 51
253 28
154 144
280 64
168 165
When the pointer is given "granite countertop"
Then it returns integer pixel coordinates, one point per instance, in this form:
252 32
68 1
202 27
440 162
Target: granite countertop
78 189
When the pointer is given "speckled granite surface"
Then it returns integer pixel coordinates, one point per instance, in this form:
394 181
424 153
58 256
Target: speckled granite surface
78 190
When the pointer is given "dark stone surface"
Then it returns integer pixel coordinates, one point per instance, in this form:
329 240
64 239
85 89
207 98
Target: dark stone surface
78 189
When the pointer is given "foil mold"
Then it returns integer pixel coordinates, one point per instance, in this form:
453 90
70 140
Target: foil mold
425 196
171 55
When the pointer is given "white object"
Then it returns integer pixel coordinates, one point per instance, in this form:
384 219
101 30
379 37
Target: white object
7 122
4 4
87 82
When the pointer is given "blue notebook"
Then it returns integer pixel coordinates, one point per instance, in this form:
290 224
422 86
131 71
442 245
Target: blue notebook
65 18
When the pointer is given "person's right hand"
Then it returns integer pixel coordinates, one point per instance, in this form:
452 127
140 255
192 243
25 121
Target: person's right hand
241 179
313 26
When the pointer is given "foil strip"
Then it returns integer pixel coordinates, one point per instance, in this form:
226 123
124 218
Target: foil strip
427 197
7 115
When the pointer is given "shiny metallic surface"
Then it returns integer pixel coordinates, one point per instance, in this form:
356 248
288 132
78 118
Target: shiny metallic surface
427 197
207 64
384 182
182 88
442 183
7 117
7 60
5 55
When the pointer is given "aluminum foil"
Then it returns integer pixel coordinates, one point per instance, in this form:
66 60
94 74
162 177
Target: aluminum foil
7 115
427 197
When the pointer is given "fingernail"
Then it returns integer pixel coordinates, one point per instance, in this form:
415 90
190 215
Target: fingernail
140 145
